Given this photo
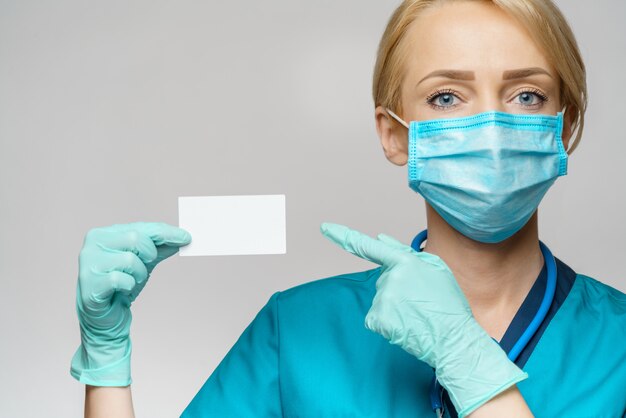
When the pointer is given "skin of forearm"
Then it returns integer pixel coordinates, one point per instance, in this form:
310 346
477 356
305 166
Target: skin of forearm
104 402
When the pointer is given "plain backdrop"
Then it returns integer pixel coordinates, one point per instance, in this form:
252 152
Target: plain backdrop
111 110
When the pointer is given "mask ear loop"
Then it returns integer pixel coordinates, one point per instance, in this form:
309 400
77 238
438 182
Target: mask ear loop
569 146
396 117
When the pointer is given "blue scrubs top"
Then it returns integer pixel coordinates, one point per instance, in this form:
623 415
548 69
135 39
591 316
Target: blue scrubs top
307 353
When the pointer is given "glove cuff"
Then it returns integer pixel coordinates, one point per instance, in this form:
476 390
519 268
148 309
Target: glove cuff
477 373
103 367
486 397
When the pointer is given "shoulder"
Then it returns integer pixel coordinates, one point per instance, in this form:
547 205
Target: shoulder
588 293
605 303
598 290
348 292
332 286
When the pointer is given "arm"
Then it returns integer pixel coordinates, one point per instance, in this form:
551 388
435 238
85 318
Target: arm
114 266
101 402
504 404
420 307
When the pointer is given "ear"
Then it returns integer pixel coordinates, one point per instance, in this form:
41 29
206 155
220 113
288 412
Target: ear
568 121
393 137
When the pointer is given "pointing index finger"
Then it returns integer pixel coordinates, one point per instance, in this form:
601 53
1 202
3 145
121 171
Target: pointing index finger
359 244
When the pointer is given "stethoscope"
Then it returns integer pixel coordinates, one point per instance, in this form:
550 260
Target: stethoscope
436 390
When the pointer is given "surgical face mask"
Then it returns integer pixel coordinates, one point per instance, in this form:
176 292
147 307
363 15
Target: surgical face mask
486 174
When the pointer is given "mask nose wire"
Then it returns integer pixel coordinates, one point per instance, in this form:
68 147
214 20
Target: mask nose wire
396 117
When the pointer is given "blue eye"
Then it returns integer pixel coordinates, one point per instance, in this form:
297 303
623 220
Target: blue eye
442 99
527 97
445 99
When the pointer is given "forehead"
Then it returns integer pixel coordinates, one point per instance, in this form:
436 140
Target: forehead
469 35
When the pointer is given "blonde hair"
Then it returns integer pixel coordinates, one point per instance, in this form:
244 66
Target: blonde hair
547 26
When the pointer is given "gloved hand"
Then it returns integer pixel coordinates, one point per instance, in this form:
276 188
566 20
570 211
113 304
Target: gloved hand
419 306
114 265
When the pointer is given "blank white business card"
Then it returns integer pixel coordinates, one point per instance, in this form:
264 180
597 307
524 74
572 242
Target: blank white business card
233 225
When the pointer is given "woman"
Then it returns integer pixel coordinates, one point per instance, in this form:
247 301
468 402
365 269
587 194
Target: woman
480 99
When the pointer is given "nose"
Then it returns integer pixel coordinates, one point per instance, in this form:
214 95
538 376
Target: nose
488 98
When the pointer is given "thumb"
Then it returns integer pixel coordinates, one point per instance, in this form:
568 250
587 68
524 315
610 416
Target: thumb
164 234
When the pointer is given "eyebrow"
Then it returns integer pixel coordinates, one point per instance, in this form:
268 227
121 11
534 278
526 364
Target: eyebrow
469 75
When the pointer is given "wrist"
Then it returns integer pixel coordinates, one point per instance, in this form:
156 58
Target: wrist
477 370
100 364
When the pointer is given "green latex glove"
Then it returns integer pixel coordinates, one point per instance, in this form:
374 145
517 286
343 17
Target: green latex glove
419 306
114 265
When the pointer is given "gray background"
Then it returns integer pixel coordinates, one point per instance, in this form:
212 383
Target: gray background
111 110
